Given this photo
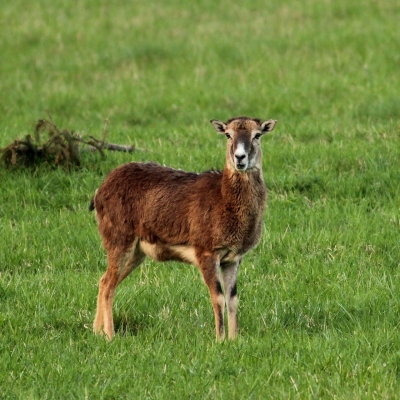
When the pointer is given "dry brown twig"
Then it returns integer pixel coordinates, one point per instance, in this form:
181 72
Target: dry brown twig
63 148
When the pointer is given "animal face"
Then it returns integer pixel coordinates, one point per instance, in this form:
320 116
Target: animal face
243 147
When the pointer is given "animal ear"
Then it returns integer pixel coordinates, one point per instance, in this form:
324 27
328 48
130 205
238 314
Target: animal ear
267 126
219 126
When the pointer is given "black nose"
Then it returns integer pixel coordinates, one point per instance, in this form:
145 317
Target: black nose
241 157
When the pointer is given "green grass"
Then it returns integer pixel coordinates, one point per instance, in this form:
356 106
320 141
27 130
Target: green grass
319 297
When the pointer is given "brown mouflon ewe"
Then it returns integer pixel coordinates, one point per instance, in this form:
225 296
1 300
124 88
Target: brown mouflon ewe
210 220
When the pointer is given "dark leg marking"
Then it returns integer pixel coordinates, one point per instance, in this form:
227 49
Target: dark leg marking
220 309
221 321
234 290
219 287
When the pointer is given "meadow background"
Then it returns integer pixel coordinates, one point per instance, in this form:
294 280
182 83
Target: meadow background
319 297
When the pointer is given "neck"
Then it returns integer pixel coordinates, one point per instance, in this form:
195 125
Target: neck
243 188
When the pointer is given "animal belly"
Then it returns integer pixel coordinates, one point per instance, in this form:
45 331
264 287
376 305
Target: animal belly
162 252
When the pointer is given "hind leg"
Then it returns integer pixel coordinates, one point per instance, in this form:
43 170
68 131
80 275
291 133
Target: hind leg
120 265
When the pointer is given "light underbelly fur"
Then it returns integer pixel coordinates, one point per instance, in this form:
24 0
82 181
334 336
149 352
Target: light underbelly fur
163 252
187 254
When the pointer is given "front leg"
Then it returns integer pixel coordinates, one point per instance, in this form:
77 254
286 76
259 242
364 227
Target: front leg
209 264
229 274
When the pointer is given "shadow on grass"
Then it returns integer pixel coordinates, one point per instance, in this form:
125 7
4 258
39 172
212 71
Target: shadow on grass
130 325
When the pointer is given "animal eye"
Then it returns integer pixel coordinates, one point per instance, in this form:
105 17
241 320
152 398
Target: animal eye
228 135
257 136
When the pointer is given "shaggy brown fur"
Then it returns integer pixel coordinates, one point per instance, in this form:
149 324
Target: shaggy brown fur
210 220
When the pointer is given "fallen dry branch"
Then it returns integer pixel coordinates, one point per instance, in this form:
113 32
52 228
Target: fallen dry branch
112 146
62 148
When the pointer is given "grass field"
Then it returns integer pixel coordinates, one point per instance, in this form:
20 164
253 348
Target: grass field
319 297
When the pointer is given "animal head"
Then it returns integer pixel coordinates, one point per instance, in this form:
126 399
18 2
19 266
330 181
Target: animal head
243 146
